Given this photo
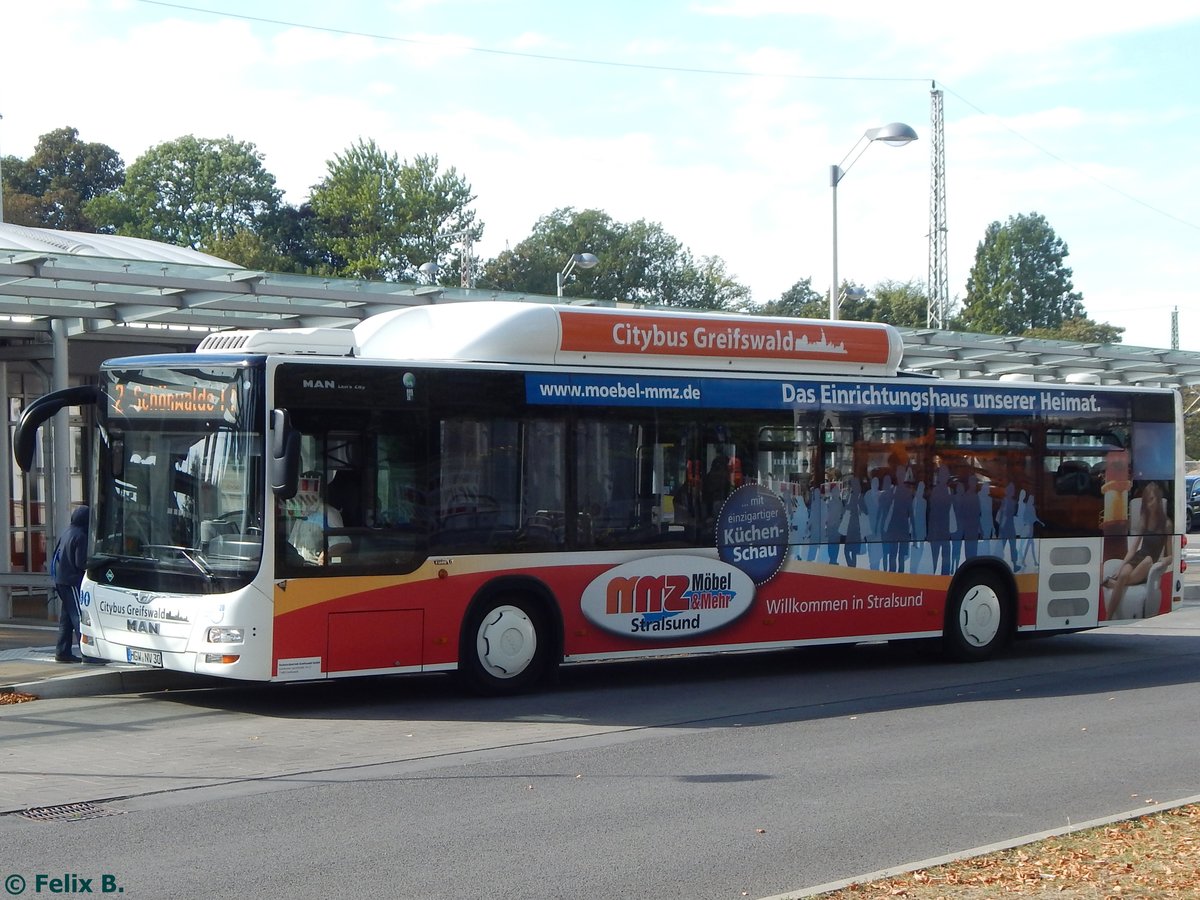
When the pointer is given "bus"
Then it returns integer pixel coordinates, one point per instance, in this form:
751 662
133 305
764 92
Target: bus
498 488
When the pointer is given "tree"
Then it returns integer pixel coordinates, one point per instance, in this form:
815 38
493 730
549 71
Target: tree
1019 280
293 232
51 188
383 217
800 301
707 284
903 305
284 241
532 266
1082 329
190 191
437 203
249 249
639 263
20 192
646 265
1191 421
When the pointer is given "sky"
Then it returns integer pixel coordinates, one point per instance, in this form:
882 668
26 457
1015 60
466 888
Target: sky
717 119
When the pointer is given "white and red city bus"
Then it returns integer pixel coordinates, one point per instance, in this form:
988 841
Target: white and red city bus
498 488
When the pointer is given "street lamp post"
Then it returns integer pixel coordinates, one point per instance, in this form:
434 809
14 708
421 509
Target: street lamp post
582 260
430 270
897 134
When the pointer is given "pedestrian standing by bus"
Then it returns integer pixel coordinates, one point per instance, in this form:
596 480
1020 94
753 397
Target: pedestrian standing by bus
66 569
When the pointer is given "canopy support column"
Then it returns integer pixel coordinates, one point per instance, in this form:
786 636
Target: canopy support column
60 459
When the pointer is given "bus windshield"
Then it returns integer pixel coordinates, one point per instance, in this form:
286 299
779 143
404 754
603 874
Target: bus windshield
180 494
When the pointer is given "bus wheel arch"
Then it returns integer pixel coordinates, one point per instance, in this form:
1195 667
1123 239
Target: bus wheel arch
980 614
511 637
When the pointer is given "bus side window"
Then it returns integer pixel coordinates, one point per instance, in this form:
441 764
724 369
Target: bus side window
1072 478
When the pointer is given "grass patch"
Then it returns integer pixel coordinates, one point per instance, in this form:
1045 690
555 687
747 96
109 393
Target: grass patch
1154 856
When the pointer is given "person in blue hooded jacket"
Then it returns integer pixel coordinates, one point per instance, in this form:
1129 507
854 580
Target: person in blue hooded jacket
70 559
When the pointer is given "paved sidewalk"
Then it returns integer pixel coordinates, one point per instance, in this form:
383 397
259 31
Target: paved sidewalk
33 670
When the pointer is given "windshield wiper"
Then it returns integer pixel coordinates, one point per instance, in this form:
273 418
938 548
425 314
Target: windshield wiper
190 555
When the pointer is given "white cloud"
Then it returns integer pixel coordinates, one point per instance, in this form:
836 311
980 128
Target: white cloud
529 41
950 39
303 47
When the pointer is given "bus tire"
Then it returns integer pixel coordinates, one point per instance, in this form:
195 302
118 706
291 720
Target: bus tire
505 645
978 617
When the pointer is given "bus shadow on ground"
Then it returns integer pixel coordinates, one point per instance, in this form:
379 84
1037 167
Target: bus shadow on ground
741 688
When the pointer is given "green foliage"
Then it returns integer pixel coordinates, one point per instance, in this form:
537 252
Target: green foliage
285 241
376 216
532 266
707 284
1191 422
249 249
190 191
51 188
800 301
20 205
1019 280
903 305
293 232
382 218
1082 329
639 263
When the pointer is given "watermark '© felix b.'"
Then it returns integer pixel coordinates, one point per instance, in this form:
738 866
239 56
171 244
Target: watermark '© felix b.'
67 883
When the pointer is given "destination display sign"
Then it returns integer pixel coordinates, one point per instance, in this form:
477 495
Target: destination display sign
162 400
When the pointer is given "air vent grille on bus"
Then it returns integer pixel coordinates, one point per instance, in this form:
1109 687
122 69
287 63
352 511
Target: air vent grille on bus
223 342
309 341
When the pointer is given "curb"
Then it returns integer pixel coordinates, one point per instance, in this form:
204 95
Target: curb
815 891
116 681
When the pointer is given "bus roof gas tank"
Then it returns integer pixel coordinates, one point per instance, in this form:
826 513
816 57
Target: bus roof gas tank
532 334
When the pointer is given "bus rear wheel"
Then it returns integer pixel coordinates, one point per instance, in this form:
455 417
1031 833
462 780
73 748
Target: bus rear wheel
978 618
505 646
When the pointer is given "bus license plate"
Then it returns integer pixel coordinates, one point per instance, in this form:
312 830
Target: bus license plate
144 657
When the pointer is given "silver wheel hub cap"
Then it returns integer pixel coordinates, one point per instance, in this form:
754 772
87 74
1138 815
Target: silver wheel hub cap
979 616
507 642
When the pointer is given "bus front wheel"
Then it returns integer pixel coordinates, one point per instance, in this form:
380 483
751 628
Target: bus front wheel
505 646
978 618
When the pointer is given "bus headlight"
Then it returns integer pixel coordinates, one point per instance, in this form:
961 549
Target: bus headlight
85 617
223 634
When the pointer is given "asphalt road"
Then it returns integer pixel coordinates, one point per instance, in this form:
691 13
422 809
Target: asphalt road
728 777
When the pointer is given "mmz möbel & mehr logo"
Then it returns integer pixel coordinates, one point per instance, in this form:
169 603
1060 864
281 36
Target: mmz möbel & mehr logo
667 597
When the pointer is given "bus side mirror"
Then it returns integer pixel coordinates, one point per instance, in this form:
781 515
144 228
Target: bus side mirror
37 412
284 461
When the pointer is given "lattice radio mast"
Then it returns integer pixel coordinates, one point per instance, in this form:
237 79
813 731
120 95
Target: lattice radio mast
939 270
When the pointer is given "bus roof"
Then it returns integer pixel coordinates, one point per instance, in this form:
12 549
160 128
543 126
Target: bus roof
531 334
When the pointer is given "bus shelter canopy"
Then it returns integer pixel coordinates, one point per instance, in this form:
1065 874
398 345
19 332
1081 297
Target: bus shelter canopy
951 354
